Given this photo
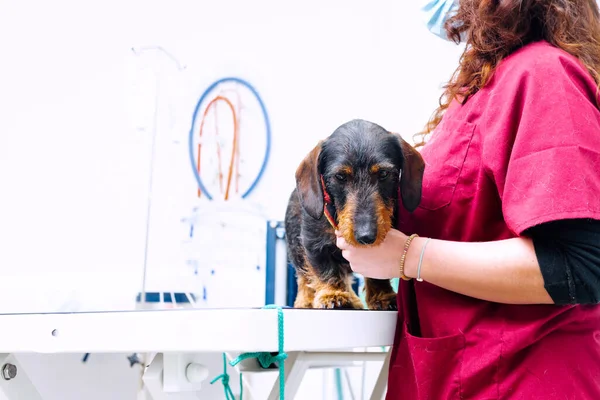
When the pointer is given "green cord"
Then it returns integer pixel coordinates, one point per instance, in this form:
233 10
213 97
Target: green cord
264 358
338 384
224 377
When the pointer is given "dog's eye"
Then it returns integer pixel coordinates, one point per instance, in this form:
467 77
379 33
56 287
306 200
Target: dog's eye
383 175
340 177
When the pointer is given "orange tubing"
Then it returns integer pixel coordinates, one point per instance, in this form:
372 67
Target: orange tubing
235 143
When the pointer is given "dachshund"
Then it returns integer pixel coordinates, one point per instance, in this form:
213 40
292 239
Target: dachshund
355 178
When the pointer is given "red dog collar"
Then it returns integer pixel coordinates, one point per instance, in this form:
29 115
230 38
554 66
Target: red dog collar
327 199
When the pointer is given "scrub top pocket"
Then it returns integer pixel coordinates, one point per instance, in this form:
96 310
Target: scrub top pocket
433 366
445 155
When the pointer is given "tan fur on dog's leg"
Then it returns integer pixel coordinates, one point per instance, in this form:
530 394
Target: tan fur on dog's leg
380 295
335 295
306 294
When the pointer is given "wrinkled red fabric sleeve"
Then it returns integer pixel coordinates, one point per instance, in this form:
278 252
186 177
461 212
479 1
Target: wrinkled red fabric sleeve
543 142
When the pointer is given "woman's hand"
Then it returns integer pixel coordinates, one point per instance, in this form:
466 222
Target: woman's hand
379 262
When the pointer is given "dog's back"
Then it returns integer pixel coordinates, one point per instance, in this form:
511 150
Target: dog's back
293 231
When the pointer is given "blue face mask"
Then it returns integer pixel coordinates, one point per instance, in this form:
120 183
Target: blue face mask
436 13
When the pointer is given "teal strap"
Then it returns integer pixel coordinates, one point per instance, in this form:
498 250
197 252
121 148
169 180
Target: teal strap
264 358
224 377
338 384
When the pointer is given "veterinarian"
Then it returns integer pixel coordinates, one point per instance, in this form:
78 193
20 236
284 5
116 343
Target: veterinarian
501 275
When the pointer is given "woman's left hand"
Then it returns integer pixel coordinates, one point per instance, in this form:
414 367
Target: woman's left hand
378 262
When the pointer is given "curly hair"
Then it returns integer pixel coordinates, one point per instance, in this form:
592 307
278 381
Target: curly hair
493 29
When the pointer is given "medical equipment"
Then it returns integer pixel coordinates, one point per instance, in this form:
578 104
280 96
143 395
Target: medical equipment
210 245
198 121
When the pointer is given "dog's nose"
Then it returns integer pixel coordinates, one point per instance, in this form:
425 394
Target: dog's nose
366 236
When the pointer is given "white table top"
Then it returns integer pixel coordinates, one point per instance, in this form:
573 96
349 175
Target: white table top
194 330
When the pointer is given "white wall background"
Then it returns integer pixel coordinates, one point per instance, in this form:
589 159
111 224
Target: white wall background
74 167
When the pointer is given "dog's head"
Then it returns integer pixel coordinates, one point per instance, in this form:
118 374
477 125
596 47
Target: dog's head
363 168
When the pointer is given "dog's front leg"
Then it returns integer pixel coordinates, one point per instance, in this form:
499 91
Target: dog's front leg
380 295
306 294
332 284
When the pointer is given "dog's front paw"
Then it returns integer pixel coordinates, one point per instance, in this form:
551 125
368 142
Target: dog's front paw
303 302
382 301
337 299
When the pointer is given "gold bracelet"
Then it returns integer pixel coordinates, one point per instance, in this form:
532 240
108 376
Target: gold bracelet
403 258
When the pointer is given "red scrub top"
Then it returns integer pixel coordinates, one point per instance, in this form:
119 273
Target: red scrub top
522 151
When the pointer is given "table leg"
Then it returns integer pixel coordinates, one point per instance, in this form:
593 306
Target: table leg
381 383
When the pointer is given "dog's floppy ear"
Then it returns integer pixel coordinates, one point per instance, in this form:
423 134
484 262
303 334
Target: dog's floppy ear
308 183
411 181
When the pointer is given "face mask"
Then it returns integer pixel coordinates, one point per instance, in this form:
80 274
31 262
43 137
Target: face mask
436 13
